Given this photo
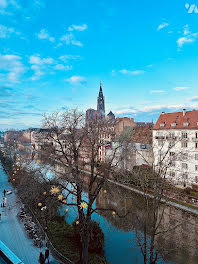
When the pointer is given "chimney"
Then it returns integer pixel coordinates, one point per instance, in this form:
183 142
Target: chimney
163 113
184 112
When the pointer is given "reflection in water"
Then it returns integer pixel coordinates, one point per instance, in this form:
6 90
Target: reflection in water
178 245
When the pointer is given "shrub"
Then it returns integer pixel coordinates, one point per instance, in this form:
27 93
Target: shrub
187 190
96 243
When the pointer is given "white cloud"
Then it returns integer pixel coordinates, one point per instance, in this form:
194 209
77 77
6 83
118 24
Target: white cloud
36 59
157 91
181 88
186 30
12 65
70 39
62 67
6 32
76 79
187 37
37 72
193 98
162 25
137 72
3 3
39 65
181 41
126 111
160 107
177 106
77 27
66 58
43 34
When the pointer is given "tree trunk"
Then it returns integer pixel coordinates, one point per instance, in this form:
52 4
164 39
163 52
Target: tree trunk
84 251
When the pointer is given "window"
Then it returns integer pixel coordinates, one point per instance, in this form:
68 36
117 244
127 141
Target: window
172 135
159 134
172 174
160 143
173 124
184 135
196 134
172 164
172 154
184 156
196 156
184 166
196 145
185 176
143 146
196 179
196 167
186 124
184 144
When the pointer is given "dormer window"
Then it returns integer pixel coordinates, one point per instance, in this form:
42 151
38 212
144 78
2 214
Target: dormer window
162 124
186 124
173 124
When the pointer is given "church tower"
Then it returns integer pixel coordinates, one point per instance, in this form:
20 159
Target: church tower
101 103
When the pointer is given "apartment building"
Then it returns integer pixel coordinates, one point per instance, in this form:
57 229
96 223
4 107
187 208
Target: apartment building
175 146
111 128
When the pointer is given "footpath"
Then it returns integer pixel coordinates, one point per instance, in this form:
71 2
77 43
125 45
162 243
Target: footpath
12 232
168 202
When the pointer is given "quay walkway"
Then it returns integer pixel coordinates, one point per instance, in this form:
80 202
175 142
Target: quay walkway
12 232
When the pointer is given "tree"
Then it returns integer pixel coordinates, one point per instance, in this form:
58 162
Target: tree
152 181
75 147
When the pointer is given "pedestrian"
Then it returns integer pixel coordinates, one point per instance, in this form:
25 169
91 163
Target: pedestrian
47 254
41 258
4 192
5 200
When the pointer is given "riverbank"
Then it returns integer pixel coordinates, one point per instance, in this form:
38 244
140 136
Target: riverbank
58 233
12 231
168 200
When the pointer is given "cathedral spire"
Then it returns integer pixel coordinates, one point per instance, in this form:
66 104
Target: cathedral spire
101 102
100 86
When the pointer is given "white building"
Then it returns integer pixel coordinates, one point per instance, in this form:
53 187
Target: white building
175 145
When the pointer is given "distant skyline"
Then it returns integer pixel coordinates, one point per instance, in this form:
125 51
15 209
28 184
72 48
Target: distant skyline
53 55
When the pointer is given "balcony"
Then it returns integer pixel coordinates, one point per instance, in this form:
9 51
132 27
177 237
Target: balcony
160 137
171 138
183 139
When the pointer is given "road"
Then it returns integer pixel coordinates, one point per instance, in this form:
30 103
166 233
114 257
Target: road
12 233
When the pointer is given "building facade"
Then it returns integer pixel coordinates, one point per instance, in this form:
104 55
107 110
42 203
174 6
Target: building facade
175 146
93 115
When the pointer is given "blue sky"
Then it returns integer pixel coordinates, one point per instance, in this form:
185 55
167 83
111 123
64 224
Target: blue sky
53 54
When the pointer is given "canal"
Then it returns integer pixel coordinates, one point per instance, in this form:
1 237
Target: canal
178 244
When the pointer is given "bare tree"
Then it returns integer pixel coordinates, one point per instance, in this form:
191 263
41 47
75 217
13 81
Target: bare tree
152 181
75 148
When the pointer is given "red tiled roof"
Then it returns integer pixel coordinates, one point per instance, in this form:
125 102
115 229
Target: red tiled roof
190 117
142 135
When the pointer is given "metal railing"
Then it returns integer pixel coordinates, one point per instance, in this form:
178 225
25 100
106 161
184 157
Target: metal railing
56 254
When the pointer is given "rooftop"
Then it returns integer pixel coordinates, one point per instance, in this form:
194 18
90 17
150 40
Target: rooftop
142 134
177 120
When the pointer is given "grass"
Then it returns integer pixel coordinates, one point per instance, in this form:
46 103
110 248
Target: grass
61 235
